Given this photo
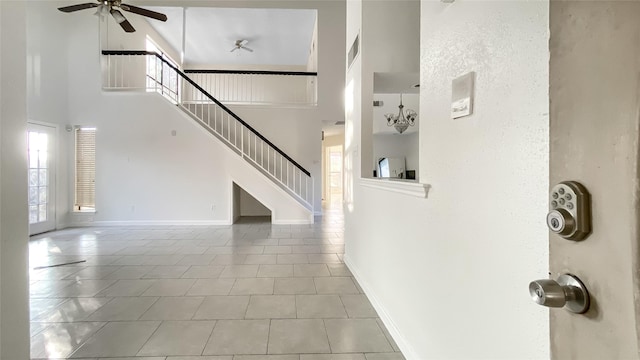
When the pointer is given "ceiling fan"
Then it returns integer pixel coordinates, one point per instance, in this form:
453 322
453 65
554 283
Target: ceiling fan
240 44
111 7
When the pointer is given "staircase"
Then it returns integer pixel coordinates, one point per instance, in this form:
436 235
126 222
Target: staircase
122 71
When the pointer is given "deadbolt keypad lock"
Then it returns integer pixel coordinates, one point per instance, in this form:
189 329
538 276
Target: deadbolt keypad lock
570 211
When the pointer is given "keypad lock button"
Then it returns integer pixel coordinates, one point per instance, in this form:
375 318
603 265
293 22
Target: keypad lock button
570 211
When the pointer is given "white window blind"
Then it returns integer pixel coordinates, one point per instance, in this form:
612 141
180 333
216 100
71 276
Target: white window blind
85 169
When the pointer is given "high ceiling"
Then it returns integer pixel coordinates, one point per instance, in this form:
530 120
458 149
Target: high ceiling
277 36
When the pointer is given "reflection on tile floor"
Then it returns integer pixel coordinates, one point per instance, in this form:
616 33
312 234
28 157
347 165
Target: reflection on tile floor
251 291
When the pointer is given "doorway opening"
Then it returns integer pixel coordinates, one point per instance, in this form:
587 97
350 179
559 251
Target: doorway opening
333 173
41 200
247 209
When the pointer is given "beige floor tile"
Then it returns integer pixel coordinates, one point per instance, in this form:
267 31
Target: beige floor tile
222 307
166 272
257 286
272 307
118 339
127 288
335 285
267 357
324 259
333 357
206 287
298 336
123 308
129 272
94 272
388 335
339 270
260 259
293 259
212 357
319 307
169 287
356 335
240 271
358 306
229 259
178 338
61 340
275 271
203 272
294 286
75 309
277 249
238 337
384 356
204 259
173 308
310 270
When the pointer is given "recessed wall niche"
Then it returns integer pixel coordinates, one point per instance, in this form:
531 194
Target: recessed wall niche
387 142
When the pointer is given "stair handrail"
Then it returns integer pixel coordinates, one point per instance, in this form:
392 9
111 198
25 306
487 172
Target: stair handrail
251 72
216 101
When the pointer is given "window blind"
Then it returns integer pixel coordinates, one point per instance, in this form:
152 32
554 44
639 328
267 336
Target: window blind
85 169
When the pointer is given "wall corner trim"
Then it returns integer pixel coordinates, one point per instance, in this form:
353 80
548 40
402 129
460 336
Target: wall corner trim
407 350
419 190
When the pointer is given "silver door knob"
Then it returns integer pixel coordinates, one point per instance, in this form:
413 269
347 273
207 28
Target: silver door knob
568 292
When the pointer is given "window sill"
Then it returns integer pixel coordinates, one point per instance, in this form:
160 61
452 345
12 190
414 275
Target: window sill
406 187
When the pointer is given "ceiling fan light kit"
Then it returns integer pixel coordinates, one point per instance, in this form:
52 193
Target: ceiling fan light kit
113 7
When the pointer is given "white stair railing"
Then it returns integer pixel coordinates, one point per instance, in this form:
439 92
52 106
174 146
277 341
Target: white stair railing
258 87
148 71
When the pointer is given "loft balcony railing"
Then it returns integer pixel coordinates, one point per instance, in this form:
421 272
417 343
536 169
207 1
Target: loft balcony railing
148 71
259 87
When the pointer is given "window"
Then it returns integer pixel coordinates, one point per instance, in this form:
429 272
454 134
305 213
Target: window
85 191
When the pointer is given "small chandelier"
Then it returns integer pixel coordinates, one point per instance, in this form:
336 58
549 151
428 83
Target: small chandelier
401 122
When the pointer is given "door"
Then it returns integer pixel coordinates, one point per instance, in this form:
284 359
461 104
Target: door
41 178
594 118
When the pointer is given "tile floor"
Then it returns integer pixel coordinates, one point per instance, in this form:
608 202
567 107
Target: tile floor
251 291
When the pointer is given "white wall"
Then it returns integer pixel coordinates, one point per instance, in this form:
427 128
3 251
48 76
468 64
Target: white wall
14 284
450 276
250 206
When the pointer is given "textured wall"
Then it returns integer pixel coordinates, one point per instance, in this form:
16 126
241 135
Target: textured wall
449 273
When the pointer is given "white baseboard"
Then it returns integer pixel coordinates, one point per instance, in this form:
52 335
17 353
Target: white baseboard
407 350
152 223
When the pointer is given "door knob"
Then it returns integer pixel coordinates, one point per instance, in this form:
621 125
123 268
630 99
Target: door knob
568 292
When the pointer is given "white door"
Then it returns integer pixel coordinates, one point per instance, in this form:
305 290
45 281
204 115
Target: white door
41 178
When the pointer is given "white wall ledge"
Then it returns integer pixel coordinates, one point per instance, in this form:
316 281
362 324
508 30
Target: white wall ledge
405 187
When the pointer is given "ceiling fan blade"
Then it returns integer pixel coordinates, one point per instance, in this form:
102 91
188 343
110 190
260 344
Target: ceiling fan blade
78 7
243 42
246 48
234 49
144 12
124 23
